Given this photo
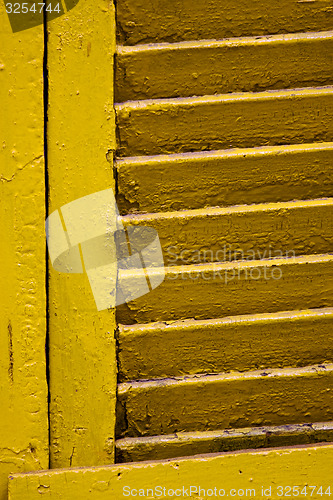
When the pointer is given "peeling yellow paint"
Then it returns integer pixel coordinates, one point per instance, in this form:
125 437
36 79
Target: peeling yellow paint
298 466
258 231
249 342
216 290
209 67
23 385
230 177
146 21
225 121
224 401
182 444
80 143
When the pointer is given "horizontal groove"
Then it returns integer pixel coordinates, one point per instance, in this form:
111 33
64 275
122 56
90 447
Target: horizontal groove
153 21
189 102
250 232
224 121
197 443
229 42
220 66
205 291
228 400
240 343
223 178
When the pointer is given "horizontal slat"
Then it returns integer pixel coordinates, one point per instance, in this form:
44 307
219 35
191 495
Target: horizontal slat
230 177
145 21
229 400
229 289
243 473
233 65
225 121
295 338
246 232
194 443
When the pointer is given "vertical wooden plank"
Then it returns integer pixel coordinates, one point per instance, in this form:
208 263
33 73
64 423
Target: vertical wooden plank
23 386
81 139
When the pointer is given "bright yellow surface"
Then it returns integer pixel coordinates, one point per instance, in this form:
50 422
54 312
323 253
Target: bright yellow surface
80 144
23 388
309 466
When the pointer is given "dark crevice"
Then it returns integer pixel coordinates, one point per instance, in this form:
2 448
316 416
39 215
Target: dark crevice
11 353
46 102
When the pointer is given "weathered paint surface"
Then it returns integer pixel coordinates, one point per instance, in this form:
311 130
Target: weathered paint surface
224 401
190 373
208 67
225 121
23 386
80 144
216 290
182 444
243 470
240 343
218 178
242 232
146 21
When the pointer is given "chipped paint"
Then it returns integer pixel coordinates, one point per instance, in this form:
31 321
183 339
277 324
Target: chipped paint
80 137
143 21
216 290
225 121
239 343
182 444
165 183
23 387
241 470
243 232
225 401
209 67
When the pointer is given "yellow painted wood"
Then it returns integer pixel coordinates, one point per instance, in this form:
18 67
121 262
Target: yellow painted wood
224 401
80 144
146 21
242 232
233 65
23 386
219 178
293 338
225 121
182 444
298 466
228 289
